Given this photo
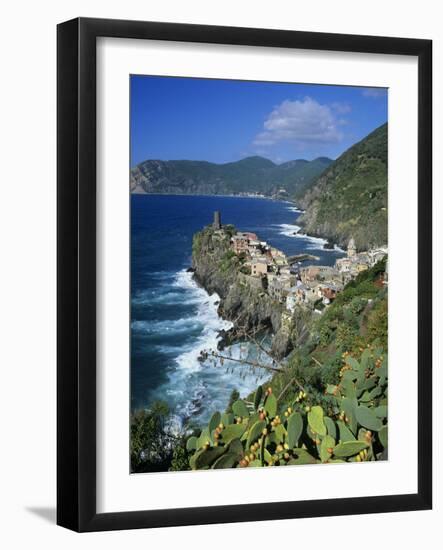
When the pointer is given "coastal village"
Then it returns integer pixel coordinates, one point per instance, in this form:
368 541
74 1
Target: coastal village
290 282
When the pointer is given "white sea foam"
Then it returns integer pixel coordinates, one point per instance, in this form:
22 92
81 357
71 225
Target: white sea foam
206 316
289 230
313 243
160 296
195 389
295 209
176 326
317 243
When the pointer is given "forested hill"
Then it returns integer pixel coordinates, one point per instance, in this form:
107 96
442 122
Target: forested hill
249 175
350 198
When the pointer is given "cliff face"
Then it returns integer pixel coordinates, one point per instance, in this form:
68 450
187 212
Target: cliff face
216 268
350 198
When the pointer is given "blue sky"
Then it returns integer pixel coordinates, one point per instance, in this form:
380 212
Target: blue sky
226 120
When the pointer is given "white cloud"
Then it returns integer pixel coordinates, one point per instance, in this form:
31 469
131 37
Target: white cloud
374 92
341 108
301 122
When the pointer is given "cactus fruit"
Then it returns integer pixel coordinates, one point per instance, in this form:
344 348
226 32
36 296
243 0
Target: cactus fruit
215 421
203 438
353 427
255 432
349 448
326 448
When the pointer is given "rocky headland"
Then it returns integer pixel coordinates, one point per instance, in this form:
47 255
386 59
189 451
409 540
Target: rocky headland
251 310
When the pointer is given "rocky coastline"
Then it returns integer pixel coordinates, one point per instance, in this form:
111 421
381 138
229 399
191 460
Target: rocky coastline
250 310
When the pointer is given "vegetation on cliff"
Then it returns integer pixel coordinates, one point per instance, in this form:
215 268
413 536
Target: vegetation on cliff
331 403
266 431
355 320
326 402
151 444
218 270
249 175
350 198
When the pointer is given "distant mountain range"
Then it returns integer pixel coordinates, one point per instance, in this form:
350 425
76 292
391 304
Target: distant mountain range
350 198
252 175
342 199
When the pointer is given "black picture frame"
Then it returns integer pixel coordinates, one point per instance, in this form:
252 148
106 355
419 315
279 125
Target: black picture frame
76 266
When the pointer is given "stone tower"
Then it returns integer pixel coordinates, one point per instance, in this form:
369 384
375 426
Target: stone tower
217 220
352 251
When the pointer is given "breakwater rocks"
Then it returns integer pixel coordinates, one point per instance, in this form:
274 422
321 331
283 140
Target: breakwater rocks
218 269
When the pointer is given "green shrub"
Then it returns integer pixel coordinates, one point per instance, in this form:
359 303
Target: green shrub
180 457
228 261
345 336
357 305
377 324
151 446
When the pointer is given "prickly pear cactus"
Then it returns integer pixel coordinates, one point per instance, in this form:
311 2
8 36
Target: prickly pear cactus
263 433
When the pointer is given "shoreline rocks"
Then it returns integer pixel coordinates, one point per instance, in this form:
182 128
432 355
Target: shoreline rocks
216 269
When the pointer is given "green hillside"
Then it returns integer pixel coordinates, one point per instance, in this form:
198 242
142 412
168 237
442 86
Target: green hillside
350 198
249 175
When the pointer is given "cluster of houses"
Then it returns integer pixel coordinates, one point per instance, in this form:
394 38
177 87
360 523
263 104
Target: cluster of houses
354 263
291 283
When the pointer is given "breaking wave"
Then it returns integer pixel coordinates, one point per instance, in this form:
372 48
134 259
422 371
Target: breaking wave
295 209
312 243
195 388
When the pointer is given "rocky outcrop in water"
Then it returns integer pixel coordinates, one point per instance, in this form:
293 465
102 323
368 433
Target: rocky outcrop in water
217 269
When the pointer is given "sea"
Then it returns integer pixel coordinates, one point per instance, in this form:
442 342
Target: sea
173 319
